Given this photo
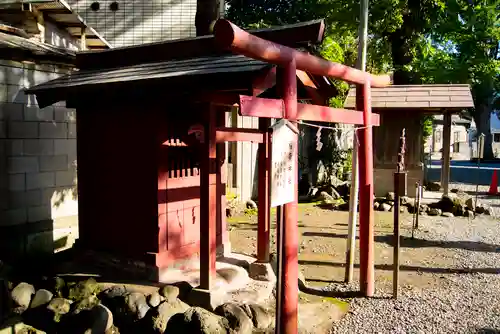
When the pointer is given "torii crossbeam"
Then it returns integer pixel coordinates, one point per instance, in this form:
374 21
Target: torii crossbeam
232 37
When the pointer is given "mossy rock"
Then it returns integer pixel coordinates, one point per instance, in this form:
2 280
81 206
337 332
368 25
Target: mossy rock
83 289
85 304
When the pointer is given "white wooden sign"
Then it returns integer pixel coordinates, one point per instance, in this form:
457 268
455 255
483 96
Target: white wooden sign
283 169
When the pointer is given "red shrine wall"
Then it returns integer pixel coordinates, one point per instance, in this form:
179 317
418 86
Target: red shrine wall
139 185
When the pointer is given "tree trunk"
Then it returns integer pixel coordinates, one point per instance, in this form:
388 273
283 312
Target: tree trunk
482 117
207 13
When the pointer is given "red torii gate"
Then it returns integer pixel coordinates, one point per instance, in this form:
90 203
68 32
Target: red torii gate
232 37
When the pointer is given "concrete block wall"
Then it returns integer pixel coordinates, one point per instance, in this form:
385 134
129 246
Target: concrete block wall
38 204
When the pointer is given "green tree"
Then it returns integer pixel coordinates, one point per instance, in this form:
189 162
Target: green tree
207 13
420 41
464 48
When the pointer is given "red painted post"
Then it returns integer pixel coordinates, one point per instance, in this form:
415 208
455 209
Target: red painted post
290 273
208 203
366 238
264 203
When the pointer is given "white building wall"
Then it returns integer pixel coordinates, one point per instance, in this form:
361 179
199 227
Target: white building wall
38 194
139 21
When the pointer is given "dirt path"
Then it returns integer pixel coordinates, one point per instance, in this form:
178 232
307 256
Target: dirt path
322 247
426 262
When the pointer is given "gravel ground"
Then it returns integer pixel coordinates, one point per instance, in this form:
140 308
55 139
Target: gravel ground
463 302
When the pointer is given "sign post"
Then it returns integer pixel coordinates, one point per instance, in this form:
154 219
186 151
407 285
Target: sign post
283 179
283 170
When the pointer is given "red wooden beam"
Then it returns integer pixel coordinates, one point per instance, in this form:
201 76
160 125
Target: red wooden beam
223 135
264 81
208 205
230 36
274 108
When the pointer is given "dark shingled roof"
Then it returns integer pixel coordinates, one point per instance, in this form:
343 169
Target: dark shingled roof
422 97
196 67
186 64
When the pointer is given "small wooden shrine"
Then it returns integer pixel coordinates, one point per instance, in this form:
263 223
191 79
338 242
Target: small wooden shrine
151 134
142 116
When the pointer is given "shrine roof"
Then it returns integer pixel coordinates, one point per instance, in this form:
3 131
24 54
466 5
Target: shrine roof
424 98
194 61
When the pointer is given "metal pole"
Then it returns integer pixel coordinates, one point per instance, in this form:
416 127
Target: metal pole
480 153
353 203
290 275
399 184
397 245
419 194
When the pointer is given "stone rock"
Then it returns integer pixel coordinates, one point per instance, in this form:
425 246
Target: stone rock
22 293
56 285
469 202
446 204
480 208
251 204
59 307
326 198
459 210
260 317
238 319
137 305
197 320
385 207
433 186
434 212
313 192
343 189
156 320
169 292
97 319
114 291
42 297
154 299
184 290
390 196
83 289
448 214
85 304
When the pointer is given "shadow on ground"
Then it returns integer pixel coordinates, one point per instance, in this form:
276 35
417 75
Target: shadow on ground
408 242
409 268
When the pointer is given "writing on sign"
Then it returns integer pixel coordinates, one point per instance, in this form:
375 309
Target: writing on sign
283 168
